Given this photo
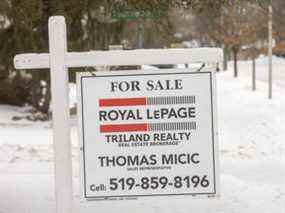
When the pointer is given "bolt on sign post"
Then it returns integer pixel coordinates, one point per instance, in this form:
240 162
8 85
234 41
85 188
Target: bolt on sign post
142 133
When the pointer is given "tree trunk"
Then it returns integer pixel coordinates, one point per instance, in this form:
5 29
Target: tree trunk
140 34
235 53
225 61
253 75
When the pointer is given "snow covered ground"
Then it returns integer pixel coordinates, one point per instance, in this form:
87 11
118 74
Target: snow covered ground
252 155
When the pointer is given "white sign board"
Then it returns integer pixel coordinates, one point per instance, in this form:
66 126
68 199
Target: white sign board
148 134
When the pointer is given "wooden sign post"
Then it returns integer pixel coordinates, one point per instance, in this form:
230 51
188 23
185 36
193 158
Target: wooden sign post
58 60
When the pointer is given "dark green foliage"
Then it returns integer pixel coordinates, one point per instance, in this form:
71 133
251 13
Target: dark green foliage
91 26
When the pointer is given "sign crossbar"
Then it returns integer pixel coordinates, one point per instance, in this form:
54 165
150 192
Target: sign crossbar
122 57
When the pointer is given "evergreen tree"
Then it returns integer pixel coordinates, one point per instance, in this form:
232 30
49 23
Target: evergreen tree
91 26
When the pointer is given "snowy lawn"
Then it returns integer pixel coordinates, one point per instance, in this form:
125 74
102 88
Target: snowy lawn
252 156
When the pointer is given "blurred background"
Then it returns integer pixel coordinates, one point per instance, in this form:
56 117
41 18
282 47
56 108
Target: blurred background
250 91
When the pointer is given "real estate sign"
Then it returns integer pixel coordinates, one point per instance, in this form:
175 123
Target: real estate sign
148 133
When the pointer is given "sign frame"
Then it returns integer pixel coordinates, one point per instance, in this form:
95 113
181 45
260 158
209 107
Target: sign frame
214 131
58 60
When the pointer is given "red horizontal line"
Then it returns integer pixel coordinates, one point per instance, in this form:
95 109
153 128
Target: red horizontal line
124 128
122 102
